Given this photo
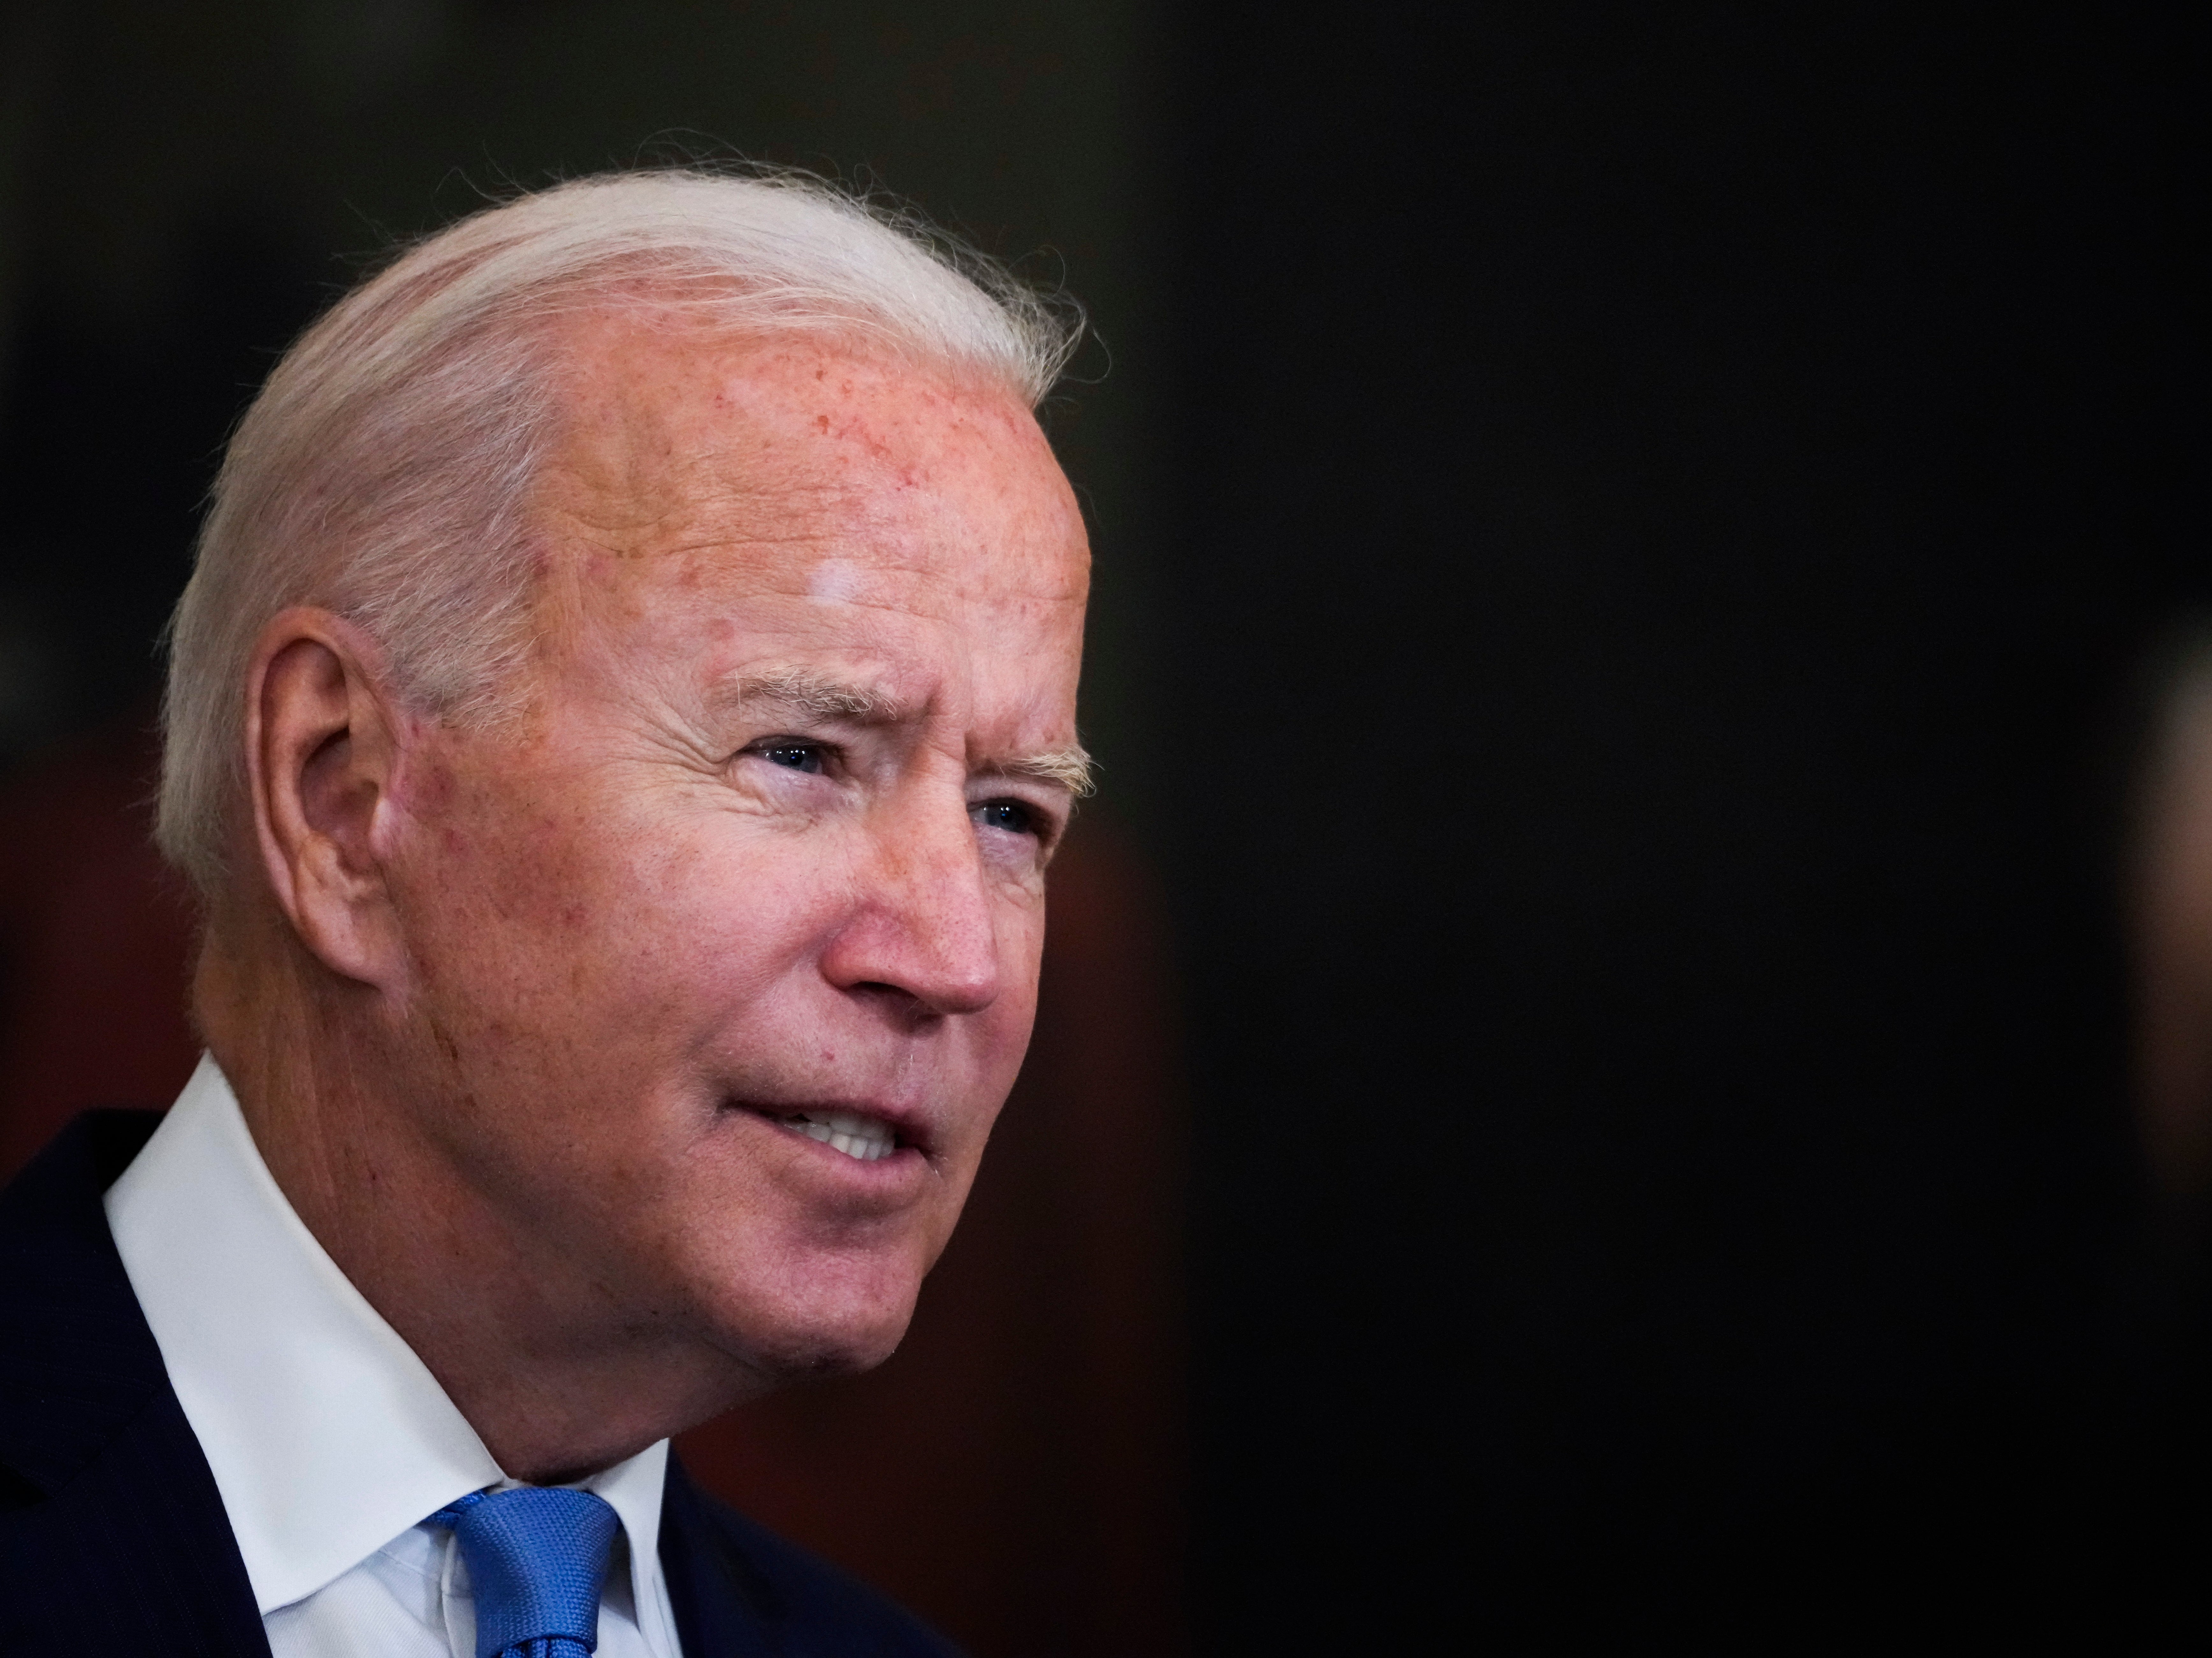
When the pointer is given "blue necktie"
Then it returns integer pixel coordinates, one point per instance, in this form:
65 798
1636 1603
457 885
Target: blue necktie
536 1555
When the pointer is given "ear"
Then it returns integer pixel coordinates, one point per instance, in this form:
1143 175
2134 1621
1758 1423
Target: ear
323 750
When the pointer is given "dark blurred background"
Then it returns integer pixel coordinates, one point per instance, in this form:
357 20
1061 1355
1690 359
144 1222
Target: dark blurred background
1632 1036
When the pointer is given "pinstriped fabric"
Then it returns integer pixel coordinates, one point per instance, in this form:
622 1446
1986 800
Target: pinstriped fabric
112 1536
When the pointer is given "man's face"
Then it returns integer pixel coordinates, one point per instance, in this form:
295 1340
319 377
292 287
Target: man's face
766 862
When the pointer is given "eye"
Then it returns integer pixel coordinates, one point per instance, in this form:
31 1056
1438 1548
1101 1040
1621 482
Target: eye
1012 816
793 756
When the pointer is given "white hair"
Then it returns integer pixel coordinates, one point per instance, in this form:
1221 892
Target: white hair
383 470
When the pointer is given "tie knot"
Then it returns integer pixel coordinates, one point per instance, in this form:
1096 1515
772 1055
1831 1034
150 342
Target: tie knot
535 1556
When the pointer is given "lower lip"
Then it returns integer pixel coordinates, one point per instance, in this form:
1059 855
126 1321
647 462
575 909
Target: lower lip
901 1168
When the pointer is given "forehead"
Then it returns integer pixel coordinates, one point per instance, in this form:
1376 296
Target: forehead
805 464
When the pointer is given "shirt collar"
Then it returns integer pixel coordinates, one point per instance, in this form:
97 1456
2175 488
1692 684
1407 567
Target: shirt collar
327 1435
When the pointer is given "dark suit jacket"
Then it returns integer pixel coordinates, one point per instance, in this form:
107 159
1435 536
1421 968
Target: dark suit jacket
113 1536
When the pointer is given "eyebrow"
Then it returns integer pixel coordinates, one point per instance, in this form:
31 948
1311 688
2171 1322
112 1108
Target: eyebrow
1068 767
824 698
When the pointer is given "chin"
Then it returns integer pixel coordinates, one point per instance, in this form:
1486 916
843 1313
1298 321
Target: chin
814 1354
817 1336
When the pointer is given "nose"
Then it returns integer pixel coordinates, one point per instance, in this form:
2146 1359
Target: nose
922 929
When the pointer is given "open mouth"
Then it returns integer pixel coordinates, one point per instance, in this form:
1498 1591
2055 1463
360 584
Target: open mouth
869 1139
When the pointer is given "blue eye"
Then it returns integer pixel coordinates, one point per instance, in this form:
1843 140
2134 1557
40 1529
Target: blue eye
1012 816
796 756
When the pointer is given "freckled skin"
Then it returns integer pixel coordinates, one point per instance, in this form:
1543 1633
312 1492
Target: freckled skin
573 969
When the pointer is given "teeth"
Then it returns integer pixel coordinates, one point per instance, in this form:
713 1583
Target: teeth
849 1132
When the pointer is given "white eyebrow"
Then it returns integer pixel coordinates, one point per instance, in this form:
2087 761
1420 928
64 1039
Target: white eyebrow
1070 768
823 697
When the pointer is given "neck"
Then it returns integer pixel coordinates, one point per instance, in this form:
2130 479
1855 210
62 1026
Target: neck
556 1374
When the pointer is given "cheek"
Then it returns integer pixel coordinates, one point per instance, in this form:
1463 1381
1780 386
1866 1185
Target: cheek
619 920
514 889
1005 1027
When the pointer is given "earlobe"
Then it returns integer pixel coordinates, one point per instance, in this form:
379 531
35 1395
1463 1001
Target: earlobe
321 753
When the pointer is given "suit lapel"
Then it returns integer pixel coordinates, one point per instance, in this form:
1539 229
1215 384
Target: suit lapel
112 1536
725 1606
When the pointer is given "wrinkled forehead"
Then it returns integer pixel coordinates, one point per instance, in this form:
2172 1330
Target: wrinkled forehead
819 462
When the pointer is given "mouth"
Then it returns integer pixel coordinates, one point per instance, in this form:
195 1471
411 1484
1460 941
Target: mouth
864 1138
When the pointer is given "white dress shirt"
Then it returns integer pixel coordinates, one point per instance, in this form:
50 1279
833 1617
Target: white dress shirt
329 1439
